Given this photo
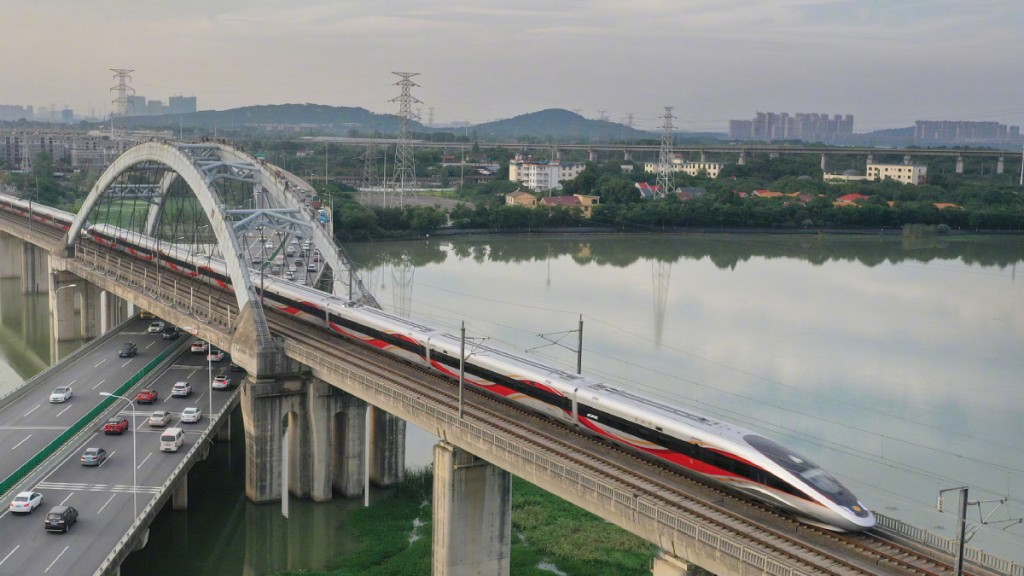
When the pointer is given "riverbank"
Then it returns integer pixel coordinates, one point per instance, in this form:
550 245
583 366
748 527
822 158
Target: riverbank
549 536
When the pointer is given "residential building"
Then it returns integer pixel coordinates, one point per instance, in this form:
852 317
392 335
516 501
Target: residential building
582 202
905 173
810 127
520 198
709 169
960 131
181 104
543 176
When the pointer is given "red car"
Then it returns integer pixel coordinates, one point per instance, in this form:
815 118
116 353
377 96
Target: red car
146 396
115 425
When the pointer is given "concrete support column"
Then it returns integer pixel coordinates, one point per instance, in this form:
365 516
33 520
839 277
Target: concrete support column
62 305
742 160
91 309
349 438
592 155
387 441
557 153
35 266
667 565
1000 165
627 155
824 162
224 434
703 156
959 164
10 256
472 515
270 407
179 494
908 160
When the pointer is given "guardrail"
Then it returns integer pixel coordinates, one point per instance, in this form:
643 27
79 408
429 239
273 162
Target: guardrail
121 549
972 555
26 468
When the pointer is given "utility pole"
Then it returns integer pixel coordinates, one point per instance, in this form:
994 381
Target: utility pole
404 176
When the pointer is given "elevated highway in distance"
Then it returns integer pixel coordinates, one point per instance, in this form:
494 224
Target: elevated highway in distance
686 519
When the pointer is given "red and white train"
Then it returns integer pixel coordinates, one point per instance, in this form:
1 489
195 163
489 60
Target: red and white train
736 458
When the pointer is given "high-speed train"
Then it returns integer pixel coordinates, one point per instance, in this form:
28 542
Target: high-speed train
733 457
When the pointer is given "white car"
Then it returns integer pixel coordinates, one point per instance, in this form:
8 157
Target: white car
221 382
191 414
61 394
26 502
156 327
181 389
215 356
159 418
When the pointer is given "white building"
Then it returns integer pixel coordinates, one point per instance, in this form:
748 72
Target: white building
711 169
542 176
905 173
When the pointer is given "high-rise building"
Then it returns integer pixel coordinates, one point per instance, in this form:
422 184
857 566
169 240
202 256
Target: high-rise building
810 127
960 131
181 104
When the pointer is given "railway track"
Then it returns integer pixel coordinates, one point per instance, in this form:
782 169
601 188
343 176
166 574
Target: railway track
809 549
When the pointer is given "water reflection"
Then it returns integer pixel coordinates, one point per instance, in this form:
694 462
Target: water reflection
893 361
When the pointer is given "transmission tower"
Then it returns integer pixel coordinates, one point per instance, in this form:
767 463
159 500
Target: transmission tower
117 122
371 181
665 167
404 176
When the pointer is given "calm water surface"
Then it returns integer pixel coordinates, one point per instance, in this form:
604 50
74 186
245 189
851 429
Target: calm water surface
894 363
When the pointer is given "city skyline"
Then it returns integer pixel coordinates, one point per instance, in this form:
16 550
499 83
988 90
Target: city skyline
887 62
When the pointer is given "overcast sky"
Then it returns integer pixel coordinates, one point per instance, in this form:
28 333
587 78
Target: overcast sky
887 62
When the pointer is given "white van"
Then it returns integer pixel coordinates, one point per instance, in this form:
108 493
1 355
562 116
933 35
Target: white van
172 439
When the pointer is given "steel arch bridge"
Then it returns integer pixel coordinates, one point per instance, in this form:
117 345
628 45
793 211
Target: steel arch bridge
212 200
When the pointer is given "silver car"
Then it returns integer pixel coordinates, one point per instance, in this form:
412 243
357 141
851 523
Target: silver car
61 394
159 418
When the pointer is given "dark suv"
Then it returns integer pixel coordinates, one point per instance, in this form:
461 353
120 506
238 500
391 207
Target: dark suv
60 518
171 333
128 350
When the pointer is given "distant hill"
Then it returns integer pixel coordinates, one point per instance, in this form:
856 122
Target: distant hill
333 118
557 124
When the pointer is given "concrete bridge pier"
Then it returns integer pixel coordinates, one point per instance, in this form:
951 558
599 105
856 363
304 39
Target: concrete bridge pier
824 162
91 325
179 494
592 155
627 155
908 160
10 256
742 160
667 565
387 448
34 269
271 407
472 515
113 311
959 164
337 433
1000 165
62 287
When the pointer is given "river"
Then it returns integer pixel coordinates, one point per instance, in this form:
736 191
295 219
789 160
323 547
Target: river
893 362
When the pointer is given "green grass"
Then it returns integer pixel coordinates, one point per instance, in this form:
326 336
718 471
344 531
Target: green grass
545 529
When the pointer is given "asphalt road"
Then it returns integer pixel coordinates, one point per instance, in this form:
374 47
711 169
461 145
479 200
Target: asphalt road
103 494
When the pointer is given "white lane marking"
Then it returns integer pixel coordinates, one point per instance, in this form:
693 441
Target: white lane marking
59 414
65 501
98 384
129 361
9 554
101 362
15 447
33 410
150 345
72 382
57 558
193 372
144 460
100 511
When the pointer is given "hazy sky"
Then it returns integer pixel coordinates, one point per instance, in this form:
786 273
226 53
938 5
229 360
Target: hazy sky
888 62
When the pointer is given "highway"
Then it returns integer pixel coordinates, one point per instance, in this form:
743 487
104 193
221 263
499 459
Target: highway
102 494
28 422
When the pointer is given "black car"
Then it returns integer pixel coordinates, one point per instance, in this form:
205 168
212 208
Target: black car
128 350
171 333
60 518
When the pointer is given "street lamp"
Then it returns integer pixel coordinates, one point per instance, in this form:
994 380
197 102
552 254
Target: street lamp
135 466
193 330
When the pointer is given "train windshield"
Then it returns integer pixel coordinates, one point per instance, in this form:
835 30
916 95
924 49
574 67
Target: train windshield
808 471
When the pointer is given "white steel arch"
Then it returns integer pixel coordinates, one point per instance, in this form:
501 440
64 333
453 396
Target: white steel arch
178 159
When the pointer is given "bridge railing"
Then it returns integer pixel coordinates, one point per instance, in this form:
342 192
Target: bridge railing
972 555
